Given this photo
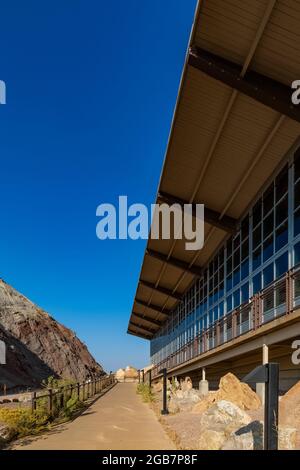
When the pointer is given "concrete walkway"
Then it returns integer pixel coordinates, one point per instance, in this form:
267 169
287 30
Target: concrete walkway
119 420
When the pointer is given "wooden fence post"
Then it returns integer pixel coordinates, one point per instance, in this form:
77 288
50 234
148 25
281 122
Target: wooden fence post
50 401
33 402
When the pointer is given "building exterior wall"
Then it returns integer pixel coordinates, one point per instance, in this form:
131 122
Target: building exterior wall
266 245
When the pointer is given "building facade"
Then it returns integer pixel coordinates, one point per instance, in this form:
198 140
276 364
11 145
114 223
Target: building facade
264 248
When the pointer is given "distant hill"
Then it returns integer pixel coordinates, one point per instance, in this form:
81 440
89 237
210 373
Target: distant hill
38 346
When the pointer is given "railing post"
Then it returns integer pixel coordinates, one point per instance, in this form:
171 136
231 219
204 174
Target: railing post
218 333
289 292
164 410
50 401
62 397
33 402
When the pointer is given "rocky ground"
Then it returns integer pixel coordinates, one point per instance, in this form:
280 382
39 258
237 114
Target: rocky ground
38 346
230 418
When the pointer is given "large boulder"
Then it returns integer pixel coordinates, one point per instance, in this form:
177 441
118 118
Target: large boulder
289 407
186 384
250 437
230 389
131 373
183 400
218 422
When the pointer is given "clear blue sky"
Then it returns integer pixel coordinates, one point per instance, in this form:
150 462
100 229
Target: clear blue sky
91 88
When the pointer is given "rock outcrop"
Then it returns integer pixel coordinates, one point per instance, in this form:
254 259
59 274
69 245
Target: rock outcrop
289 407
230 389
129 374
37 346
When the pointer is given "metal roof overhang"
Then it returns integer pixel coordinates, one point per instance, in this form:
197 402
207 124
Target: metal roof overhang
233 124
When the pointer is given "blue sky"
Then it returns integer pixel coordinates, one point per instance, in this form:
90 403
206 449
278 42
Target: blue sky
91 88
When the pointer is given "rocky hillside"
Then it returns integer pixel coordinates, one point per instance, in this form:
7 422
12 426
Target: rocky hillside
38 346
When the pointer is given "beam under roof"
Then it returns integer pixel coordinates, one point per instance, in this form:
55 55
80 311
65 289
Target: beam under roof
139 335
226 223
143 328
267 91
156 308
162 290
148 319
194 270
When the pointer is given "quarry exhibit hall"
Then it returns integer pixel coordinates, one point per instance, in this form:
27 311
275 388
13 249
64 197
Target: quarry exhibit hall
234 146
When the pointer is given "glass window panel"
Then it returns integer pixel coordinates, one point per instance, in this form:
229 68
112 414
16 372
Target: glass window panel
256 260
268 199
216 314
221 273
221 289
256 213
245 293
221 309
268 275
229 265
268 225
229 247
236 259
257 283
297 195
268 248
256 236
282 211
236 277
297 253
281 236
281 183
281 264
229 303
297 222
221 256
245 269
236 298
245 249
229 283
236 242
245 227
297 164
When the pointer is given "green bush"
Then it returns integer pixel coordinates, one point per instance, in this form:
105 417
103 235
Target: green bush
21 421
145 391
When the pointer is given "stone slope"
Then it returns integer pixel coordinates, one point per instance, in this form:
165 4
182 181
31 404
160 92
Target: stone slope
37 345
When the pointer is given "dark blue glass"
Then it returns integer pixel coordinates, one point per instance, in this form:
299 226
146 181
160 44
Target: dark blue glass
282 264
297 223
268 248
256 261
257 283
245 292
281 237
268 275
245 269
228 283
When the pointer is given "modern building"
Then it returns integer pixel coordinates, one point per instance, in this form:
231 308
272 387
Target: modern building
234 146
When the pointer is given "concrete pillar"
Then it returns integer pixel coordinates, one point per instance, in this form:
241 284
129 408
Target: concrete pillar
203 384
260 388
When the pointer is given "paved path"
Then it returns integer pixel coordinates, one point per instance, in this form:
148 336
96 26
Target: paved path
117 420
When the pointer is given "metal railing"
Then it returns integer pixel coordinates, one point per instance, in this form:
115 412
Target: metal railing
280 298
53 400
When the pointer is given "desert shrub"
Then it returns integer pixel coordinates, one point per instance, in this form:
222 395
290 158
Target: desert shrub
145 391
21 421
